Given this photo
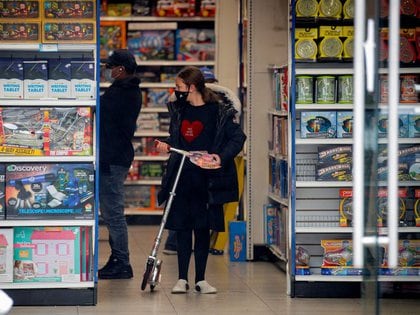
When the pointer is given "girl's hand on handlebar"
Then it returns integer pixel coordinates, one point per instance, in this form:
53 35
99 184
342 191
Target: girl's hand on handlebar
161 146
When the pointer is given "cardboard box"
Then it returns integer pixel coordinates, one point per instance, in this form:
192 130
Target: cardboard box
49 191
69 32
151 44
20 31
344 124
83 82
46 254
383 125
113 36
35 82
237 240
2 192
68 9
20 9
6 255
413 126
195 44
59 78
11 78
318 125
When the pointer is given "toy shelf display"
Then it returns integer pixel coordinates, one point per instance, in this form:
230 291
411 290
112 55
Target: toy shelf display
48 153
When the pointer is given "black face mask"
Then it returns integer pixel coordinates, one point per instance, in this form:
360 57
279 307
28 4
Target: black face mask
181 96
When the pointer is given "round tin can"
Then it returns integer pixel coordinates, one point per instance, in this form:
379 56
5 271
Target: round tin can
325 89
383 88
304 89
408 89
345 89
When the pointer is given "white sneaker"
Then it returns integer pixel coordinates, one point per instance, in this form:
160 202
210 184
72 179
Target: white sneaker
180 287
204 287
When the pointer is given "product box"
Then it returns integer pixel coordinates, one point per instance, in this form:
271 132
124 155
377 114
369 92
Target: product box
414 126
318 125
207 8
6 255
334 172
59 78
83 82
338 258
237 240
157 97
302 260
2 192
195 44
408 262
49 191
46 254
11 78
21 131
20 31
35 83
346 207
331 155
69 32
345 124
69 131
119 9
306 49
382 206
69 9
270 224
20 9
113 36
175 8
383 125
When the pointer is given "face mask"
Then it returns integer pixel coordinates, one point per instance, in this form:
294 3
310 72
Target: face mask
181 96
108 75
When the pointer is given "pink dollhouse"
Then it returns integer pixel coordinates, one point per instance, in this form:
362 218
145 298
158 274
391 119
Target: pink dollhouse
3 253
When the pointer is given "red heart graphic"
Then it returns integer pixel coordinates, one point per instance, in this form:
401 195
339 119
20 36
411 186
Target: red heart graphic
191 130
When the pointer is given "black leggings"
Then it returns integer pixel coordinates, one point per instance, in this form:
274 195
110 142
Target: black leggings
201 252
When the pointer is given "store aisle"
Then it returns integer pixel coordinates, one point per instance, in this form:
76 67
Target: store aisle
244 288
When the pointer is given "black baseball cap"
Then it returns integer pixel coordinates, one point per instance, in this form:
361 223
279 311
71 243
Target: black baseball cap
121 57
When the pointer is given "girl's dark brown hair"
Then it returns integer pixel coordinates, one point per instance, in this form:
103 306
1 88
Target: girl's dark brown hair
193 75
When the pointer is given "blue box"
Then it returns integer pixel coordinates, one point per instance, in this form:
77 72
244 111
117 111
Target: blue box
318 125
237 240
383 125
344 124
414 126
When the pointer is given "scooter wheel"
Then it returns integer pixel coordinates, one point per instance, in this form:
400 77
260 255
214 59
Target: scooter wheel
146 276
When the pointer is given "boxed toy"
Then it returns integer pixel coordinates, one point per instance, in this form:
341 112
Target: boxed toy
348 42
2 192
334 172
306 48
330 47
157 97
383 125
417 207
237 240
6 255
69 131
307 9
270 224
119 9
69 9
330 155
112 36
21 131
11 78
71 32
46 254
318 125
344 124
408 259
59 78
195 44
175 8
302 260
49 191
413 126
330 9
152 44
208 8
338 258
382 206
83 82
20 9
20 31
35 82
346 207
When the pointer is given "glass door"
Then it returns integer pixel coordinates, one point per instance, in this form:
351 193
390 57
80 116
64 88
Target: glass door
385 147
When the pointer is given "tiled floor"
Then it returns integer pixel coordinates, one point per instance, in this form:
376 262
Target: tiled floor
244 288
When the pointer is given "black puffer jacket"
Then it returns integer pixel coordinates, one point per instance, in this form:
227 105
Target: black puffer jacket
119 108
228 142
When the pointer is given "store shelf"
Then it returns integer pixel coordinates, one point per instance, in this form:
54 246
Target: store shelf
322 278
313 184
151 133
140 211
48 102
278 113
324 141
282 201
69 222
151 158
48 47
47 285
314 106
146 85
278 253
154 110
164 63
339 69
348 230
43 158
143 182
156 19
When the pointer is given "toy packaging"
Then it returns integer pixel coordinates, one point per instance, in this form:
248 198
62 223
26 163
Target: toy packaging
344 124
157 97
59 78
237 240
119 9
175 8
195 44
417 207
318 124
46 254
2 192
49 191
6 255
83 82
348 36
307 8
71 32
69 9
156 44
413 126
382 206
334 172
13 31
330 47
338 258
11 78
270 226
306 48
408 259
330 9
304 89
345 89
328 155
142 7
302 259
346 207
35 83
383 125
325 89
69 131
21 131
20 9
113 36
208 8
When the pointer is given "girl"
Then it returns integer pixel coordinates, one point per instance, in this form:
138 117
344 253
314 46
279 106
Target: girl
199 122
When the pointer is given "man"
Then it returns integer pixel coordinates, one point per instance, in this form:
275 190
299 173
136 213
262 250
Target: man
119 108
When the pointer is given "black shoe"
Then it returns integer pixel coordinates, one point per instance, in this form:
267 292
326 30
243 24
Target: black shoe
115 269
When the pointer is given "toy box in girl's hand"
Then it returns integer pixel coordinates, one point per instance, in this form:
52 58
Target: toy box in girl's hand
318 124
11 78
49 191
83 84
59 78
6 255
35 83
237 240
46 254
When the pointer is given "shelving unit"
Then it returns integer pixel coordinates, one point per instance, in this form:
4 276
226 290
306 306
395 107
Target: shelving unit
70 280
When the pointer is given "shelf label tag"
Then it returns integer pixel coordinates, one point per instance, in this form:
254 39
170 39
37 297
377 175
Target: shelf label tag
48 47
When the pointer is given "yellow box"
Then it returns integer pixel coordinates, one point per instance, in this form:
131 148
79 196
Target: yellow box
81 31
20 31
119 9
305 45
29 9
69 9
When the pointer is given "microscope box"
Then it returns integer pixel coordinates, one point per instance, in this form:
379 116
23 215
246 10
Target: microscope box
11 78
46 254
49 191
